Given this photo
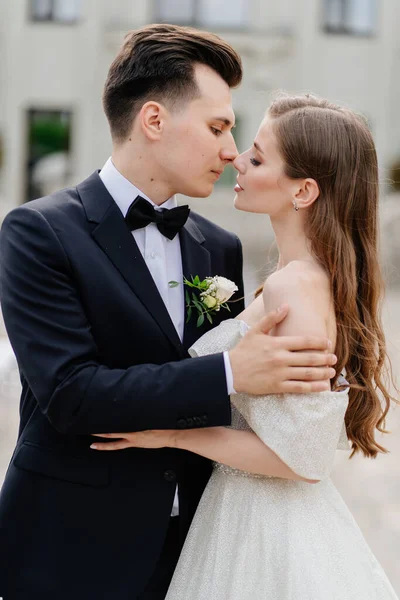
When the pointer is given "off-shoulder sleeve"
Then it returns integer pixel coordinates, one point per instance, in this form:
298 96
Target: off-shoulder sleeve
304 430
221 338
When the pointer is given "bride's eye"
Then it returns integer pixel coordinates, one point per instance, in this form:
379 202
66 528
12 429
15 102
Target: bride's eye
254 162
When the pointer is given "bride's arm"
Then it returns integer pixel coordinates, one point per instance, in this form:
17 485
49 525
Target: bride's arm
239 449
254 312
236 448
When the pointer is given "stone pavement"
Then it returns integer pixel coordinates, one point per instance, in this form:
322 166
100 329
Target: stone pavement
371 488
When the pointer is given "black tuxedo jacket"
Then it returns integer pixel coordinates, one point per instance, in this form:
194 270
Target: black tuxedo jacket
98 352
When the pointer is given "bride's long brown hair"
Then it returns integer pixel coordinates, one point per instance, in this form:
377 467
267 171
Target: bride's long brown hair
334 146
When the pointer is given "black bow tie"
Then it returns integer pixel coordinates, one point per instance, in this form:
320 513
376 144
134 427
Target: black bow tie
169 222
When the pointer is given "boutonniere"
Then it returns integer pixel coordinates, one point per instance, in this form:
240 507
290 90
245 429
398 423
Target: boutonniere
214 295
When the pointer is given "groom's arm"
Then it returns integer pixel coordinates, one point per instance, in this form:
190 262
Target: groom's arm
52 340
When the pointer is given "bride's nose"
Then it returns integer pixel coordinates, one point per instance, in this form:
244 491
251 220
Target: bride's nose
239 164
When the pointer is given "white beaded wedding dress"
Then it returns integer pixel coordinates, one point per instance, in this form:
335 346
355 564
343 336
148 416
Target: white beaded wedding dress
260 538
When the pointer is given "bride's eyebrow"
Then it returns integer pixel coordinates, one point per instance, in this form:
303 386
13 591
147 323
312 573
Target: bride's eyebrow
257 147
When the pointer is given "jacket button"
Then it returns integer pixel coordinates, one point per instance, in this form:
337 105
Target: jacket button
181 423
170 476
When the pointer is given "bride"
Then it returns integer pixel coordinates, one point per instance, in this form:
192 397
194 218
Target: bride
271 524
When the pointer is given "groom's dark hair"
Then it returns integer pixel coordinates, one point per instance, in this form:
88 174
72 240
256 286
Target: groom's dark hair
156 62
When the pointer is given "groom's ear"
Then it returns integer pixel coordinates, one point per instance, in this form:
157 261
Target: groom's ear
152 118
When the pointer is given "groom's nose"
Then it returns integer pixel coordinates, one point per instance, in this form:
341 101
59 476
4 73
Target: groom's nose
229 152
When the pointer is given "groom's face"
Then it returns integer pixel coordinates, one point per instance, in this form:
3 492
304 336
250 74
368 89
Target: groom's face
197 142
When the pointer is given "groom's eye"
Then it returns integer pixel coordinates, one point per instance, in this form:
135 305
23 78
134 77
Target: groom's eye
216 131
254 162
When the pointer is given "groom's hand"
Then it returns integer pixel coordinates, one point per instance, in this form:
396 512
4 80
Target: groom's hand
263 364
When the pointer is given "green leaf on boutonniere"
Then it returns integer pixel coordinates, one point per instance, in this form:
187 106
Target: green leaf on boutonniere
200 320
196 302
209 317
196 280
189 314
189 284
173 284
187 298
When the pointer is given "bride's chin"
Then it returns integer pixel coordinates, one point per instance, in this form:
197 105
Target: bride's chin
237 203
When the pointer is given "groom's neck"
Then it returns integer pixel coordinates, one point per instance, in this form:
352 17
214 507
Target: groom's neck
144 172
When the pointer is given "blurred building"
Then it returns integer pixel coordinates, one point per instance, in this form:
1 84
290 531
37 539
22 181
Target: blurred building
56 53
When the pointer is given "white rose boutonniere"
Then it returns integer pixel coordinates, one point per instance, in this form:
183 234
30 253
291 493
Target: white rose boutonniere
215 293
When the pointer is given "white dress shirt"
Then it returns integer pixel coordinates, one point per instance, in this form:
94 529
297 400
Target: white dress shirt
162 256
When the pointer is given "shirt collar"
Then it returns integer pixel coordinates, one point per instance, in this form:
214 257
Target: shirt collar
123 191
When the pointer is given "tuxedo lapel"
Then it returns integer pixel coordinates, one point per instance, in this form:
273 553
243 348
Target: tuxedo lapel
196 260
115 239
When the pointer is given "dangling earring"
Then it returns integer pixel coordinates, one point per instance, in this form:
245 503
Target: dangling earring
296 208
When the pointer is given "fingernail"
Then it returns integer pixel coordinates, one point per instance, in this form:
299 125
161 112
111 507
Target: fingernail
334 359
94 446
329 344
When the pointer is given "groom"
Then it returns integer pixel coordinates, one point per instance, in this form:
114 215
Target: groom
101 339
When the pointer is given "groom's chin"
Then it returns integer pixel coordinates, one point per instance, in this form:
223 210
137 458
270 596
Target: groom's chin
201 192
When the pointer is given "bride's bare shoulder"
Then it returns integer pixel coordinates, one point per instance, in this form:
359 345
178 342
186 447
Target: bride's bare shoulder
305 287
297 273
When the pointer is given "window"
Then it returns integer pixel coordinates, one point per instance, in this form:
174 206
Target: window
59 11
203 13
48 152
354 17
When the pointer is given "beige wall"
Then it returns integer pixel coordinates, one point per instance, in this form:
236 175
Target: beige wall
57 66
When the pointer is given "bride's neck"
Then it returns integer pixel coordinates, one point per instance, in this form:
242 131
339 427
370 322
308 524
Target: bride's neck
292 242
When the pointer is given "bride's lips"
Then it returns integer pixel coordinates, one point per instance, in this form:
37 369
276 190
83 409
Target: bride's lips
238 188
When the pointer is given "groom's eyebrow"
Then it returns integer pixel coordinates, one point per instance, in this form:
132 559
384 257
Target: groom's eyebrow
225 121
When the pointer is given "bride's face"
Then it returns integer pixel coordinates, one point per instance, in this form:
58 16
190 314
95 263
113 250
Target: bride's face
262 186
